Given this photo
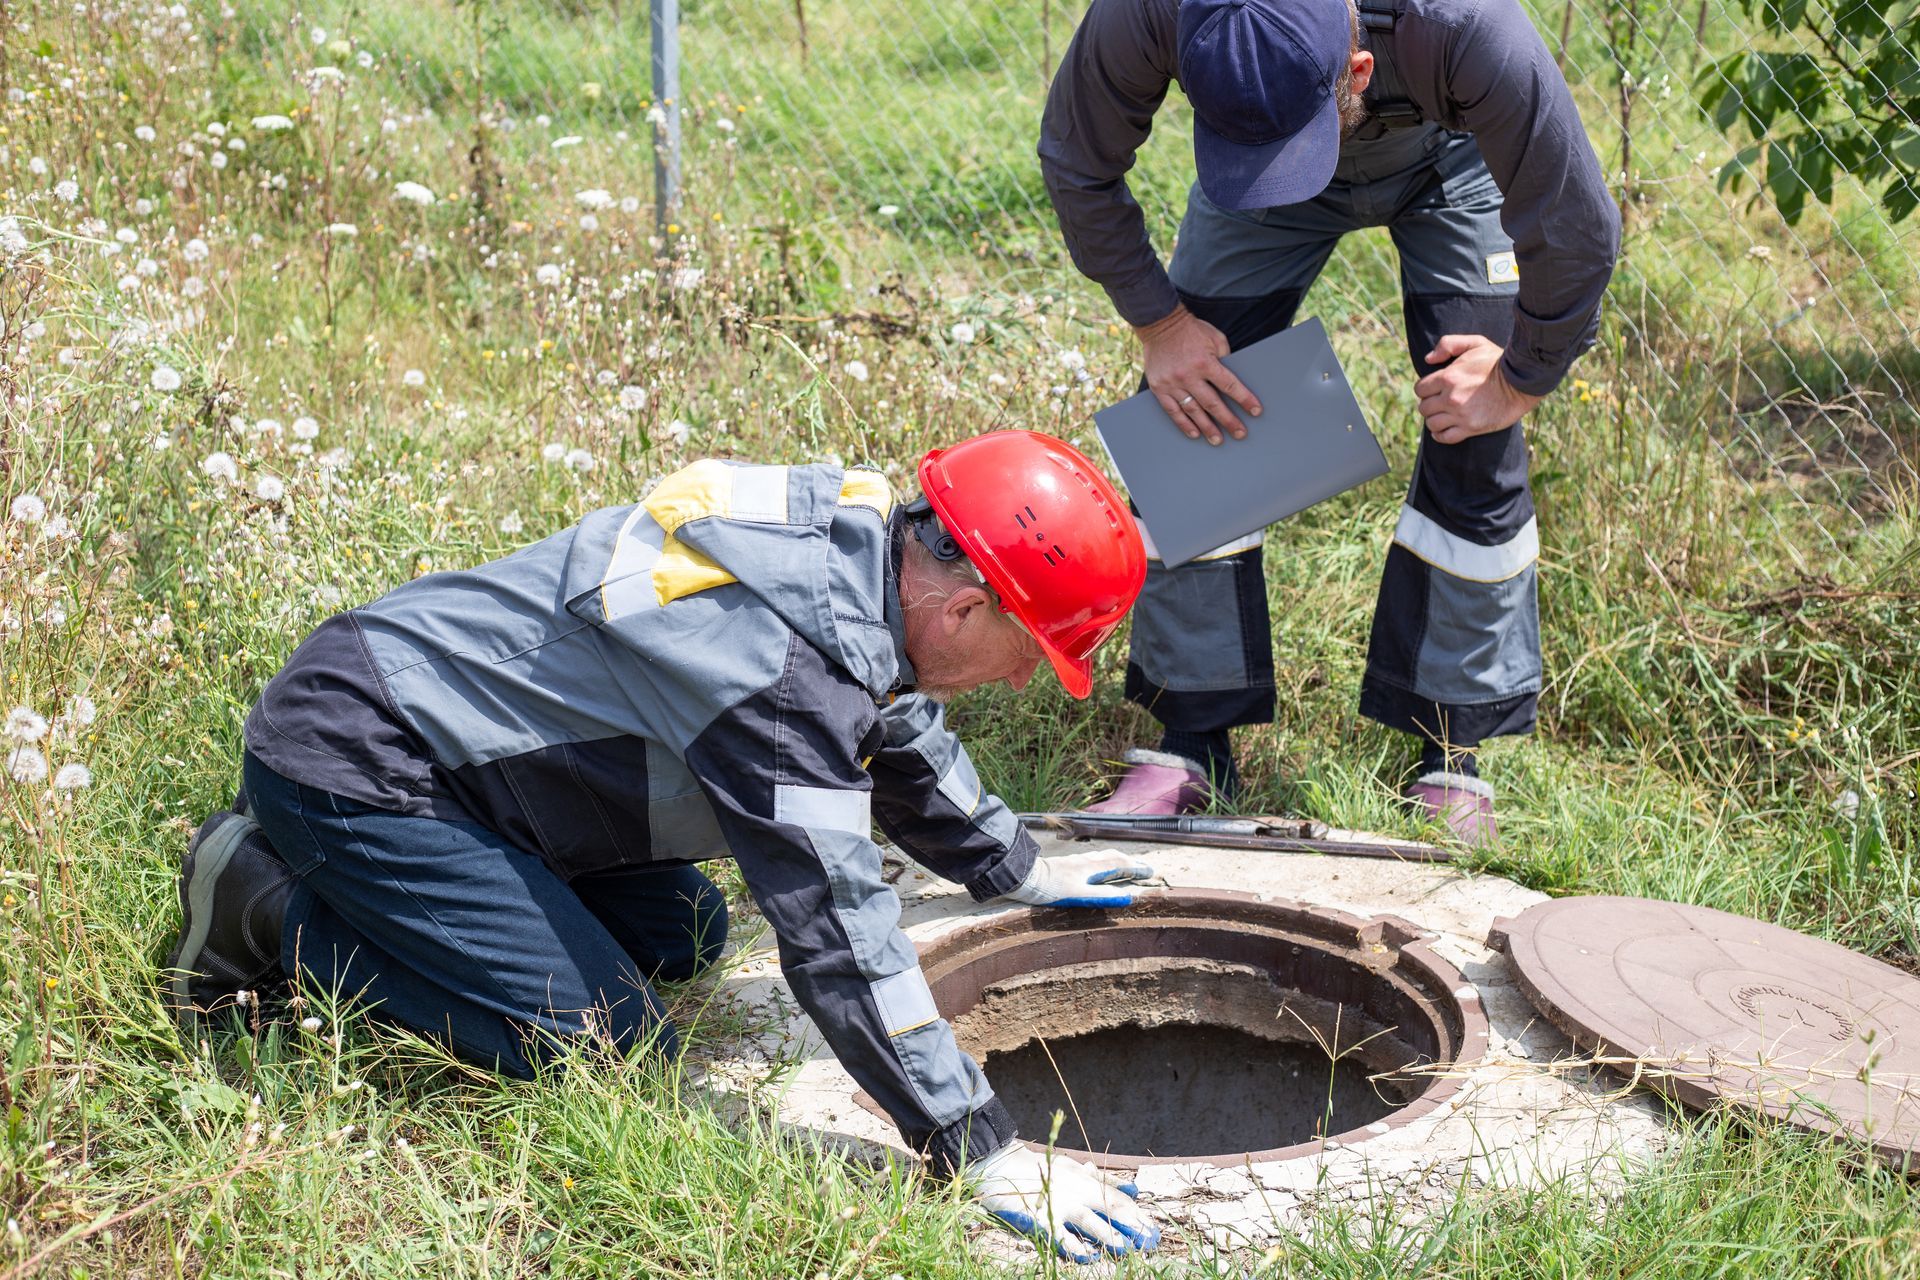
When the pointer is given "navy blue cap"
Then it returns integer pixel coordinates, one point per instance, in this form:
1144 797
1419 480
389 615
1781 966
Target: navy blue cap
1261 75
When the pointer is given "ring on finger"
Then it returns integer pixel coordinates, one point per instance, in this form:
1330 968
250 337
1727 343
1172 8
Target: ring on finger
1185 401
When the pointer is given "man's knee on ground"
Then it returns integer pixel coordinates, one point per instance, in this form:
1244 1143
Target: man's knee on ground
622 1025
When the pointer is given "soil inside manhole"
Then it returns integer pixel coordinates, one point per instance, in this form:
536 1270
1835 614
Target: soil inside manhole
1184 1090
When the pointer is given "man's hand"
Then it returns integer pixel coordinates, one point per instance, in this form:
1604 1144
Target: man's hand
1062 1202
1103 878
1470 396
1182 356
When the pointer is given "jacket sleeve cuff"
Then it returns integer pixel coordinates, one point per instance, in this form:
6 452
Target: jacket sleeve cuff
971 1138
1007 874
1532 379
1145 301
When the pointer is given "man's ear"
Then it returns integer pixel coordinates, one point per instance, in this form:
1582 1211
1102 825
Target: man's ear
1362 67
962 606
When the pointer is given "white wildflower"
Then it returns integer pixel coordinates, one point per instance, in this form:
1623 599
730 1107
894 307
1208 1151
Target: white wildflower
678 431
579 459
413 193
13 241
548 274
127 235
594 198
363 59
27 765
269 488
686 278
218 159
165 379
888 211
571 140
195 250
553 451
305 428
413 378
28 508
272 124
144 132
589 223
633 399
724 125
962 332
219 465
857 370
629 204
24 724
192 287
310 1025
67 189
81 710
342 230
72 776
511 523
319 35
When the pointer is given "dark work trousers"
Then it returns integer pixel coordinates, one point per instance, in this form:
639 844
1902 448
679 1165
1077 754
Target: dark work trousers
1455 649
449 930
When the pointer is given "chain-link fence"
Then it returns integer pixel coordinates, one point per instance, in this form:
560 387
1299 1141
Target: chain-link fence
879 143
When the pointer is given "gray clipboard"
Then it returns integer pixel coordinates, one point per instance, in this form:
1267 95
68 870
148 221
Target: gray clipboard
1309 443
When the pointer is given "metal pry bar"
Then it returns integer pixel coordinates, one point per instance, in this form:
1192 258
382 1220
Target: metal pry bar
1274 834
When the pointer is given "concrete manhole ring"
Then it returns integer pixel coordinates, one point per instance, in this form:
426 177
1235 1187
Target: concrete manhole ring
1206 1025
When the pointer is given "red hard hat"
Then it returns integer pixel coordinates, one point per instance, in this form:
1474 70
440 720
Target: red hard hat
1049 534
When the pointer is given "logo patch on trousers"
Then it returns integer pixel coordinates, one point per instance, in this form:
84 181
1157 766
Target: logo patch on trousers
1502 269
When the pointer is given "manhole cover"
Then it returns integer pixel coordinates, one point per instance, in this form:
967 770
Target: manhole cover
1731 1010
1205 1025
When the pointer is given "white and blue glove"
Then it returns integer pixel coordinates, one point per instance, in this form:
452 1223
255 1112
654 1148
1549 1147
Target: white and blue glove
1103 878
1060 1201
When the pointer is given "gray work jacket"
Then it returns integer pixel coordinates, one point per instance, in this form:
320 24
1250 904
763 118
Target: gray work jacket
1475 66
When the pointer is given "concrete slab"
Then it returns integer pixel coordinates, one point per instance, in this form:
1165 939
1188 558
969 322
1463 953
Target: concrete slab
1524 1112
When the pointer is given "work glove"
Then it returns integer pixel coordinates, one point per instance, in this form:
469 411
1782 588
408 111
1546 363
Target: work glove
1082 880
1060 1201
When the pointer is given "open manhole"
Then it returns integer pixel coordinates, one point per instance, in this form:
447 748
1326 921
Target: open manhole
1204 1026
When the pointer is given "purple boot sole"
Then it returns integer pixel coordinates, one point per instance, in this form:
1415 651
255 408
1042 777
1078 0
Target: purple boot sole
1464 804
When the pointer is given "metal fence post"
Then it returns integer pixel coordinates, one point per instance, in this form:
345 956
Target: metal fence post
665 16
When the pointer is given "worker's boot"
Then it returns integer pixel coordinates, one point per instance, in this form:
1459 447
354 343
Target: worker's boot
234 889
1462 802
1157 784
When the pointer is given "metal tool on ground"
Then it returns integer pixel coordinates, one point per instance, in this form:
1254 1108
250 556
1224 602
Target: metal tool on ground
1714 1009
1274 834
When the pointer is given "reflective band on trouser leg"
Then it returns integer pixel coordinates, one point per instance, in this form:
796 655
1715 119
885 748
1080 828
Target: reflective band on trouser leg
1200 656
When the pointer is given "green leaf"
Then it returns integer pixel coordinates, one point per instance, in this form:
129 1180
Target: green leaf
1906 147
1739 170
44 49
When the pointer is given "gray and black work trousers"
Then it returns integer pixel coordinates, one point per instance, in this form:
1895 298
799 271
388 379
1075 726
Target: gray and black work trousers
1455 651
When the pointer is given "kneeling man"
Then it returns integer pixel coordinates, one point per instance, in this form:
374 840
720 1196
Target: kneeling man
481 798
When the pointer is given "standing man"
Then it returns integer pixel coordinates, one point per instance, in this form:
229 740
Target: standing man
1446 122
476 805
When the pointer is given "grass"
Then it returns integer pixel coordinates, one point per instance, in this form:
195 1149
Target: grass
1730 601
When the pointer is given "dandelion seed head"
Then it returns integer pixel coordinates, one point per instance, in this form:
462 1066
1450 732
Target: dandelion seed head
72 776
413 193
269 488
24 724
857 370
165 379
413 378
633 398
27 765
219 465
28 508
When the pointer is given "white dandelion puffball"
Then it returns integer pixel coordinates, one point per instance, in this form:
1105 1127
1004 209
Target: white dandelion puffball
165 379
82 710
195 250
553 452
686 278
144 132
269 488
272 124
580 460
413 193
511 523
547 274
27 765
67 189
594 198
888 211
24 724
219 465
571 140
857 370
413 378
342 230
589 222
962 332
72 776
28 508
633 399
305 428
678 431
